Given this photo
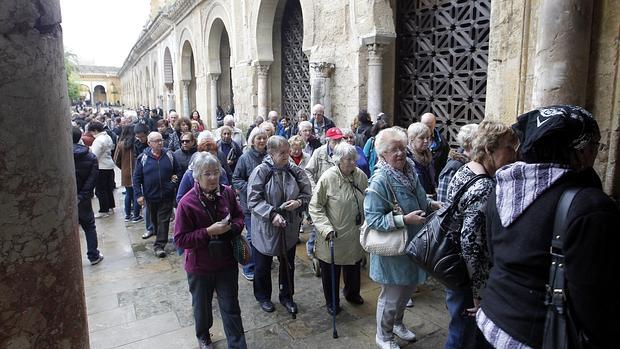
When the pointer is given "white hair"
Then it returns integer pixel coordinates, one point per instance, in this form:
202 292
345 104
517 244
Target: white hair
255 132
417 129
201 161
304 124
466 135
229 120
387 136
203 136
276 142
344 150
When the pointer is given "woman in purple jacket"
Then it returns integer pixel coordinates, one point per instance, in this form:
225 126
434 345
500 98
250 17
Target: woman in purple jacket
207 218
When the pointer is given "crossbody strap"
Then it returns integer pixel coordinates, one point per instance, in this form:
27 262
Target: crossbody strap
469 183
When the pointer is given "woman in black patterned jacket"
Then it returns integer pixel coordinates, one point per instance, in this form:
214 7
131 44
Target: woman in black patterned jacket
494 146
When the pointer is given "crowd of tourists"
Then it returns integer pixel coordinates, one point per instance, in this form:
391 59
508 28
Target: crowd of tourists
246 197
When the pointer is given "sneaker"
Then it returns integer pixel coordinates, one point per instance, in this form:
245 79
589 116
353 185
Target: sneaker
97 260
127 218
148 234
248 276
410 303
403 333
111 211
160 253
102 215
137 219
389 344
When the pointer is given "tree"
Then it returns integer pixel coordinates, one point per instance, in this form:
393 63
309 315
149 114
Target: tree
71 68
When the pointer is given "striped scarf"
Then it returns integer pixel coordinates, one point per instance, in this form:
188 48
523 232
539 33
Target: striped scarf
520 184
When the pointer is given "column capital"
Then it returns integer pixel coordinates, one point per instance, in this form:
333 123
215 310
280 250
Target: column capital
262 69
186 83
214 76
322 69
375 53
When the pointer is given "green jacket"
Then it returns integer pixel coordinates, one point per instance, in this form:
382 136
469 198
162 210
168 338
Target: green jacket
333 207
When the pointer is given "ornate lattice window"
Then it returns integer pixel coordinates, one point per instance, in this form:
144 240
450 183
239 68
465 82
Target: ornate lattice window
442 55
295 70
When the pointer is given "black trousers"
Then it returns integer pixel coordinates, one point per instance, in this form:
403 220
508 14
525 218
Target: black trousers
226 284
350 275
86 218
104 189
262 276
160 218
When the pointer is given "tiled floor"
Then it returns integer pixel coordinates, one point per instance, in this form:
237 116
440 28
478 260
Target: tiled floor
136 300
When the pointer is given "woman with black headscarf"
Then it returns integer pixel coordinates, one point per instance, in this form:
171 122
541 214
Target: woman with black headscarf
558 146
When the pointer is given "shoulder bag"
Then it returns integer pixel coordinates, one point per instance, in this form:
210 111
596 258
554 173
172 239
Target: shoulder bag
434 247
384 243
561 331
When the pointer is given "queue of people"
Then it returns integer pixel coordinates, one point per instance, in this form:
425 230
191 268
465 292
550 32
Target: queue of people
296 172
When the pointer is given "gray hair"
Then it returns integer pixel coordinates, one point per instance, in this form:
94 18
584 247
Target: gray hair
417 129
387 136
201 161
344 150
466 135
256 131
229 120
203 136
316 107
275 142
347 131
304 124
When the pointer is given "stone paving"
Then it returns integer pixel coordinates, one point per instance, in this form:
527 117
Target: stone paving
136 300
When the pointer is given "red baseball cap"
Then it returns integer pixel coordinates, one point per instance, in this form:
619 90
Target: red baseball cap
334 133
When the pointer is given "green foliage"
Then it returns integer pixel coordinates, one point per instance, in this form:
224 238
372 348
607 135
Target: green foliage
71 68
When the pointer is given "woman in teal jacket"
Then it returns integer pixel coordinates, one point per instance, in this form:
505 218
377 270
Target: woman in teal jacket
394 179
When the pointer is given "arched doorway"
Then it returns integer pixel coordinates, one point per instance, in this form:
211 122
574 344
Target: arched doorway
219 50
169 79
85 94
100 95
188 77
442 50
225 91
295 66
156 91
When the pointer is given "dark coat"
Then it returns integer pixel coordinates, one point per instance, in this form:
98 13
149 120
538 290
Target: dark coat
86 171
440 149
152 177
246 164
182 158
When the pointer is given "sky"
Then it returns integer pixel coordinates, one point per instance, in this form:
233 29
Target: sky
102 32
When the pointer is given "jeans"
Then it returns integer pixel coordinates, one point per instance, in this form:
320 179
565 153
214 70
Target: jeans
86 218
226 284
310 242
262 276
247 219
104 189
462 330
351 276
160 218
131 203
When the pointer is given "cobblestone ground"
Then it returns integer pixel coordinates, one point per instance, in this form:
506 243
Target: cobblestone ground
136 300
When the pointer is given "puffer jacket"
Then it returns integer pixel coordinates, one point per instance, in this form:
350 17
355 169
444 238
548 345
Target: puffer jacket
86 171
319 162
152 177
265 194
337 200
245 165
102 148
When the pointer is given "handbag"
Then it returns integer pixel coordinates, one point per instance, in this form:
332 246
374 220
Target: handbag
434 247
384 243
241 249
561 331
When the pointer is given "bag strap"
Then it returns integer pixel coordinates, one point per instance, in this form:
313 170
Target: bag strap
469 183
381 196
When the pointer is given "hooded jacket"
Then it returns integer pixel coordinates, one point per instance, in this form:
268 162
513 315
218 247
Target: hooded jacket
86 171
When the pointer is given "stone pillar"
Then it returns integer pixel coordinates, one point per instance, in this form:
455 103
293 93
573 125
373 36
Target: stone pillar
171 103
42 288
320 82
186 110
213 88
562 52
262 72
375 79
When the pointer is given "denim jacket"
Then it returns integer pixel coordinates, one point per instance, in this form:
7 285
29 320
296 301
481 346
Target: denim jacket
395 270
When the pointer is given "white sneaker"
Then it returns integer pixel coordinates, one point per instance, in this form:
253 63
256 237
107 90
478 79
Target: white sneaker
102 215
403 333
389 344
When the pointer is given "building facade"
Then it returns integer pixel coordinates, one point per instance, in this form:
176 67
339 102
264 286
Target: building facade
99 84
461 60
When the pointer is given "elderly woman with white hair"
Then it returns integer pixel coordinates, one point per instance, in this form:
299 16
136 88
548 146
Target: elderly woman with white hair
419 139
362 163
208 217
456 159
307 133
337 210
277 195
395 181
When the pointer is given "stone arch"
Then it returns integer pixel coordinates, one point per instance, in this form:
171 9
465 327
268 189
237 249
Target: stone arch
100 94
187 49
263 16
188 76
168 69
148 84
156 91
219 58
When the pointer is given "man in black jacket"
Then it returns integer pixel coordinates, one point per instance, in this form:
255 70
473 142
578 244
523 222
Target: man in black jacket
320 123
86 171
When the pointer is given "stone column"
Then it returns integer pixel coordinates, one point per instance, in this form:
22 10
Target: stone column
375 79
562 52
213 88
262 72
171 98
42 289
320 82
186 98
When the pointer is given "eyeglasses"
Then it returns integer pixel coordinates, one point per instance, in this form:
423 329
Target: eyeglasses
185 141
210 174
315 114
347 137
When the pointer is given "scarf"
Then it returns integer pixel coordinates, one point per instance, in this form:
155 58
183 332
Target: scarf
406 177
520 184
423 158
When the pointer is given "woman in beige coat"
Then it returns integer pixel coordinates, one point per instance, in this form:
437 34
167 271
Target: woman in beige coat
337 209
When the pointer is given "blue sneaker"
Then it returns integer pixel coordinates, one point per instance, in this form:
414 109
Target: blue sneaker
248 276
137 219
127 218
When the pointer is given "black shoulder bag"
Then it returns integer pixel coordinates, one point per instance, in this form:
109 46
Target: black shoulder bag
434 248
561 331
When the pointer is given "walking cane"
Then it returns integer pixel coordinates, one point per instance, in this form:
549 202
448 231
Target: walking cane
334 287
288 266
